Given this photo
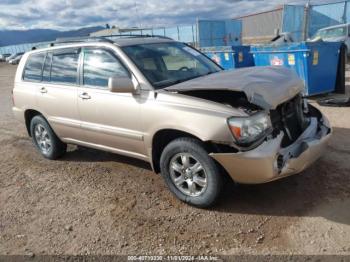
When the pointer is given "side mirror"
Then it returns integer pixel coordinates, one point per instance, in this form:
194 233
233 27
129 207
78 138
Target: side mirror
121 85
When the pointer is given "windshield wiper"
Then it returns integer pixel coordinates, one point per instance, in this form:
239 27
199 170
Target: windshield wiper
211 72
178 81
174 82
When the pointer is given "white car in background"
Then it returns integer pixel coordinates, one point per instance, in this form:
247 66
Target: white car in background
337 33
15 60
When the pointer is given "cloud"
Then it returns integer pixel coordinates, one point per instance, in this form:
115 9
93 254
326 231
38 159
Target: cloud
68 14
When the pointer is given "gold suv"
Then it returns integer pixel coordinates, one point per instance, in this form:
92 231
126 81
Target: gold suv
166 103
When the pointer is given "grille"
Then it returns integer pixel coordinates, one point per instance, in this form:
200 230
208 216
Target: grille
289 118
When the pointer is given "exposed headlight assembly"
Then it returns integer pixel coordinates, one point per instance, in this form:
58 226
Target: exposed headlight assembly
248 130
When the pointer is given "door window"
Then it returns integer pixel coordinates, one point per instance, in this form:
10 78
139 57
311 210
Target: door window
33 68
99 66
64 67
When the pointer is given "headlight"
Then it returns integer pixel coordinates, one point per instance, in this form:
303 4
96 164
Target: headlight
247 130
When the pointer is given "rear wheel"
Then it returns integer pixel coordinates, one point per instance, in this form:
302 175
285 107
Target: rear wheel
45 140
190 173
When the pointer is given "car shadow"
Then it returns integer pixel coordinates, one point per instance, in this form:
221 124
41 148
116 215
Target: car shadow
83 154
321 190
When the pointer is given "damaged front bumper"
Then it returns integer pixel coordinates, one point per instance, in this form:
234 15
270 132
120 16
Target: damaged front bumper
269 161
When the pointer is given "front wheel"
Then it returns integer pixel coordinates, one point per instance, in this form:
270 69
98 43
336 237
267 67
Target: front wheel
190 173
45 140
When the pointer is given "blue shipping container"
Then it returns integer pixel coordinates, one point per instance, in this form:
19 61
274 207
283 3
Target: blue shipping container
231 57
219 32
314 62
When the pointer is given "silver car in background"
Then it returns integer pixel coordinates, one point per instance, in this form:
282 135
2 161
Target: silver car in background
13 57
16 59
337 33
3 57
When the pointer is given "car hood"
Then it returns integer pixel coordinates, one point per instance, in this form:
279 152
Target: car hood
266 87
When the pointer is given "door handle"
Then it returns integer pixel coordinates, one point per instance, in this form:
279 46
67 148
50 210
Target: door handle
43 90
85 96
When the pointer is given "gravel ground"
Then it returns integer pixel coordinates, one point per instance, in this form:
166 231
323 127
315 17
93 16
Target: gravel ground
91 202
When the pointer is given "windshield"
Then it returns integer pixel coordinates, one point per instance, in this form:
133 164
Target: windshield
330 33
165 64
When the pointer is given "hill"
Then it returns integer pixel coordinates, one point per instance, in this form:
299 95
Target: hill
14 37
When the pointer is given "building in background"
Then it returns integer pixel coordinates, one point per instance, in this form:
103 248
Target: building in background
261 27
301 21
204 33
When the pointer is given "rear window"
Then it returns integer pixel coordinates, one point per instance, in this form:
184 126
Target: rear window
64 68
33 68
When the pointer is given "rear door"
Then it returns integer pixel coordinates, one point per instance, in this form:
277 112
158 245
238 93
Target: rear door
109 120
57 93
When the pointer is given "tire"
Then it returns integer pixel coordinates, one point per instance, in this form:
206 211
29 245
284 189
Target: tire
45 140
200 189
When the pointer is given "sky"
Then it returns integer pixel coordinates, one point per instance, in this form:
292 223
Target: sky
72 14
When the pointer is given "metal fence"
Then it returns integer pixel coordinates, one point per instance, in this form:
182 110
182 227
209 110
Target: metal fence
303 22
202 34
321 16
183 33
13 49
293 21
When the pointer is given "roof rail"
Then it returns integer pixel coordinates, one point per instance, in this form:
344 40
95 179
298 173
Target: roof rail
72 40
136 36
68 40
65 40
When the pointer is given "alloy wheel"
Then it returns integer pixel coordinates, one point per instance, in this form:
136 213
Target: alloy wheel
42 138
188 174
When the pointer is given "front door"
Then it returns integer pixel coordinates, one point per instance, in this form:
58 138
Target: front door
109 120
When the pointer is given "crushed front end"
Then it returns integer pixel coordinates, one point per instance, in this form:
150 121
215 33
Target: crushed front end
298 137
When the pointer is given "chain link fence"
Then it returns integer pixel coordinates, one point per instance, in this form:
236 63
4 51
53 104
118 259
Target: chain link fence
304 21
202 34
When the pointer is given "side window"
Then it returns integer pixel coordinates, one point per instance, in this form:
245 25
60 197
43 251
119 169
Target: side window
33 67
64 68
99 65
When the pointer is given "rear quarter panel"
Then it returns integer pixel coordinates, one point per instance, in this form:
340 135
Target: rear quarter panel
24 93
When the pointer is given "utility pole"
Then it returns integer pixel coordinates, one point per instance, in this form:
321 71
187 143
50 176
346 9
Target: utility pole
137 15
344 18
306 20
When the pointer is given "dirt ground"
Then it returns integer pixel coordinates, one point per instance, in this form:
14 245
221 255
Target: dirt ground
91 202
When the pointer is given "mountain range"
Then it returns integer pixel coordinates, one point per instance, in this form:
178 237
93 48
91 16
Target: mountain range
14 37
